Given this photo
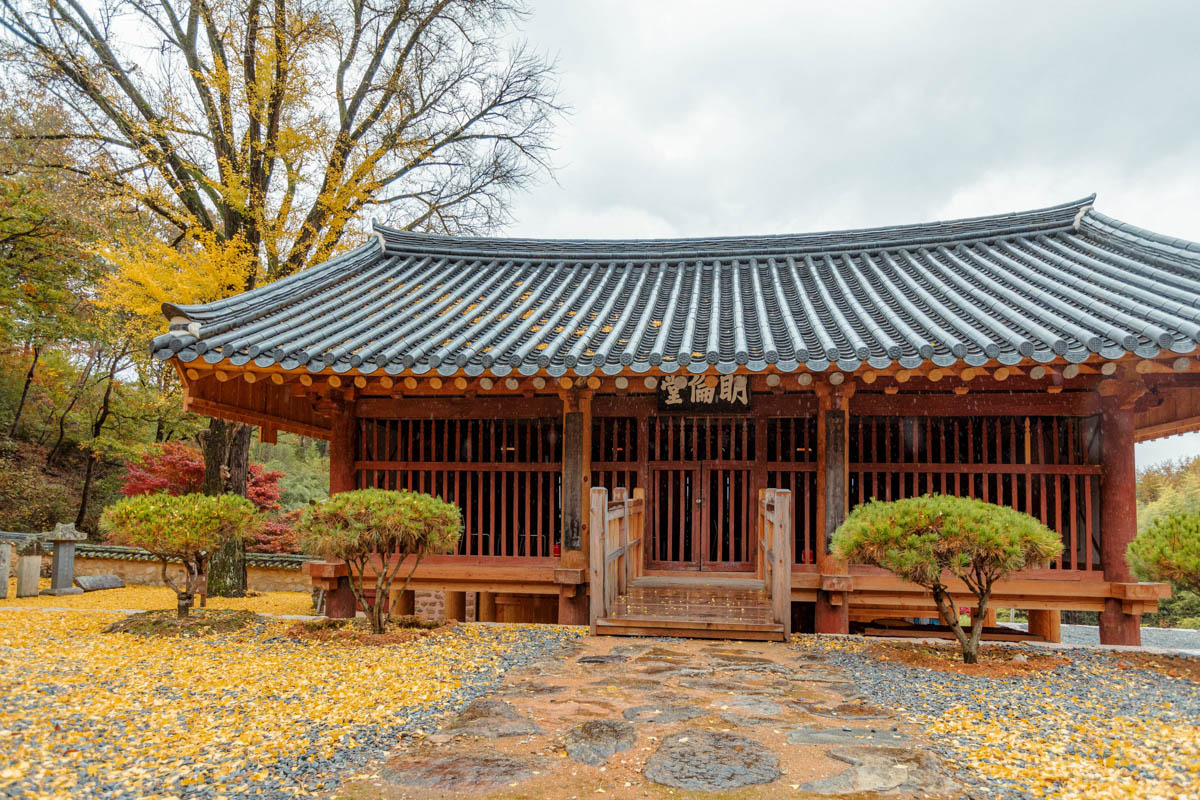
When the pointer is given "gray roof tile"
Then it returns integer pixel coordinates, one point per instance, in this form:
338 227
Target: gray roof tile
1061 281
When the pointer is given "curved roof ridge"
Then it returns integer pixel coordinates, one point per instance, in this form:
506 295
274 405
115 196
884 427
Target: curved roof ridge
1046 219
1132 234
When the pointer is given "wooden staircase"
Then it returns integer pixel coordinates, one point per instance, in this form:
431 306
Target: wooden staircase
625 602
695 607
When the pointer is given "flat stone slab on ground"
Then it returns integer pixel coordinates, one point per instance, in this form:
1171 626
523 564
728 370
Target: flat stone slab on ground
730 657
661 670
532 689
846 736
852 711
710 760
629 649
892 770
628 683
604 659
94 583
750 704
594 741
745 721
490 719
821 676
664 714
467 773
737 687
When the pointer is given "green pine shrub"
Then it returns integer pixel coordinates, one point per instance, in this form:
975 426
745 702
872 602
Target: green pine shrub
187 527
358 526
922 539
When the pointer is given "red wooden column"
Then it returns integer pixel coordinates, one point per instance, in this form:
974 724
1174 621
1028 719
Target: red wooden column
576 493
340 602
1118 515
833 429
343 427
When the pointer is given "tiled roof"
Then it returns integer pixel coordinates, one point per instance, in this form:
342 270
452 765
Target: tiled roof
121 553
1062 281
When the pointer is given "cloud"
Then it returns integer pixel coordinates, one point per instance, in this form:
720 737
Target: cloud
699 118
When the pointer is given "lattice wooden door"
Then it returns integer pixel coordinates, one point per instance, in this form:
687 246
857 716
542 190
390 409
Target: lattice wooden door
702 488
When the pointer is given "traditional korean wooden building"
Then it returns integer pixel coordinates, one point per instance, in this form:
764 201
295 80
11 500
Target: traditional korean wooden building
659 436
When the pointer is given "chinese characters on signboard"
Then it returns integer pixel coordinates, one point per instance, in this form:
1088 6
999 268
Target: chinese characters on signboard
715 393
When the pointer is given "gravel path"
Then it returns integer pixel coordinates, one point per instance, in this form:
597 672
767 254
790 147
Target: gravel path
1183 640
1092 727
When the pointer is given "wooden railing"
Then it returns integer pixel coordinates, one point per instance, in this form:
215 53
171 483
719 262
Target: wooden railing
616 528
775 552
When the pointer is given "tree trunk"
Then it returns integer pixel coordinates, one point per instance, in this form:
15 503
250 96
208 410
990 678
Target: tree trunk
62 419
226 448
948 611
37 352
88 474
97 429
184 605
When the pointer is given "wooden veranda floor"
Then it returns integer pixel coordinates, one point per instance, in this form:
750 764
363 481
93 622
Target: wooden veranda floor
698 607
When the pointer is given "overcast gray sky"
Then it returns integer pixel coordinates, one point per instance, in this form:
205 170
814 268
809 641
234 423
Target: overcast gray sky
698 118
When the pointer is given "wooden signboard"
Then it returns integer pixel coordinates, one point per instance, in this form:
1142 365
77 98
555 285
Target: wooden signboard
711 394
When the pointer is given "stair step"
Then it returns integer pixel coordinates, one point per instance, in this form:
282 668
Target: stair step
699 629
725 608
636 609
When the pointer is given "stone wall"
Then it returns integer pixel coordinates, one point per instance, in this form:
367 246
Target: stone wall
432 605
149 573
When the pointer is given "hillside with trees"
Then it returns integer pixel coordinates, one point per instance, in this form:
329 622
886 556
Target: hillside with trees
185 152
1167 490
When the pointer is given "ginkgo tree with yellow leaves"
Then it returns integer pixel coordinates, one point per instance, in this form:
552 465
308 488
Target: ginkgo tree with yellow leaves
256 134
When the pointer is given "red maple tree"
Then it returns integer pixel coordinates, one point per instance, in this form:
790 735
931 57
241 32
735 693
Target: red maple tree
176 468
278 535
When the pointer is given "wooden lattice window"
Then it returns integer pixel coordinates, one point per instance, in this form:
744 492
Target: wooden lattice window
791 453
1046 466
615 452
505 475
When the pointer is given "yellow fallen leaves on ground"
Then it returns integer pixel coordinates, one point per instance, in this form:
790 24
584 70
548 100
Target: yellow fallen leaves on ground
80 708
1082 757
150 598
1084 725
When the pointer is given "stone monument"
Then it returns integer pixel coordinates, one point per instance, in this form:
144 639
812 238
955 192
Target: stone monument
29 567
5 567
62 565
